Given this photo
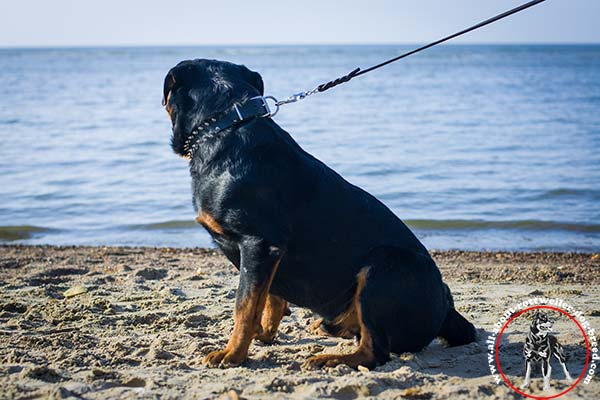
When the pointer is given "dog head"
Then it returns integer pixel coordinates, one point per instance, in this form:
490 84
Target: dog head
196 89
541 323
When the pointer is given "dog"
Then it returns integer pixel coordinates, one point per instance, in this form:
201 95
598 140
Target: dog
297 231
539 347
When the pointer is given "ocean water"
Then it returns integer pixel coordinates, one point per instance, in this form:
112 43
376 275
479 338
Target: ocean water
475 147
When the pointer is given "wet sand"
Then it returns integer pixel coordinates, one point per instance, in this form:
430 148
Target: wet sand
140 320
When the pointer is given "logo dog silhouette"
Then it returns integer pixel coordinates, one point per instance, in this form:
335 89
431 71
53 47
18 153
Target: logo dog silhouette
540 346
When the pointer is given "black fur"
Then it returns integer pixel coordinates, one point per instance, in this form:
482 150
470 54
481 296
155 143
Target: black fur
268 194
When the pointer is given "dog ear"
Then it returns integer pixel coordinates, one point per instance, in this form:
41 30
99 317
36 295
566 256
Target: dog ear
167 87
532 315
254 79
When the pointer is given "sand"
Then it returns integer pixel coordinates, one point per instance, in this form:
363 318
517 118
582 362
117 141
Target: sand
138 322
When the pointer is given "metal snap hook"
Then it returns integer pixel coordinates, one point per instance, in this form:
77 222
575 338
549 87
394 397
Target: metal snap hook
275 103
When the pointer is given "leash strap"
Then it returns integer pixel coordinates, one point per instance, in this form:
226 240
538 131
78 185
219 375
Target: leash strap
357 72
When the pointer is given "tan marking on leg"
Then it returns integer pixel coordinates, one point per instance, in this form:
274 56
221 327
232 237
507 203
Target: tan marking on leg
345 325
316 328
246 318
364 353
275 308
209 223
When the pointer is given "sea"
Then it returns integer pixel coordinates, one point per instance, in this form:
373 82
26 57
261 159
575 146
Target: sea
475 147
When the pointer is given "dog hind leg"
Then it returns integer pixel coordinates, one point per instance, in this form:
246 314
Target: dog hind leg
323 327
560 356
371 350
567 375
406 298
400 305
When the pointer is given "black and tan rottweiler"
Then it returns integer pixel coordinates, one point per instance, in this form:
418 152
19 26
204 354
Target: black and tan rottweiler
297 231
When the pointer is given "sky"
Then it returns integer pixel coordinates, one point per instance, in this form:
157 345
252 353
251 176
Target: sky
41 23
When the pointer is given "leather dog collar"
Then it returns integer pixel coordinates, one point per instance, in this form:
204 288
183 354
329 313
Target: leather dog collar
256 107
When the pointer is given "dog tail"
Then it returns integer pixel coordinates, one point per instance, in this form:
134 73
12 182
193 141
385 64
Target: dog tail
456 330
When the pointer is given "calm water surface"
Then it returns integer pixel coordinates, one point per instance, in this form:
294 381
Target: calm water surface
475 147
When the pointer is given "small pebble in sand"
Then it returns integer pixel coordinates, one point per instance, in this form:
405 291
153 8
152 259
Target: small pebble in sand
316 348
415 393
232 395
75 291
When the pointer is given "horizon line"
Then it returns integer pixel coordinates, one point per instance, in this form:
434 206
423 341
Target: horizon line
349 44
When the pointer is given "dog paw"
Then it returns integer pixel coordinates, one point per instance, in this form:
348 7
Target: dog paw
223 359
266 336
355 360
322 360
525 385
316 328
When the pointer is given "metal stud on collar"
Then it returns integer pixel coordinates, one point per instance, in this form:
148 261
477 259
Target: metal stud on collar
204 130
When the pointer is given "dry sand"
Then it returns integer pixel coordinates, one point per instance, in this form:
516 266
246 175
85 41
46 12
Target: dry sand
148 316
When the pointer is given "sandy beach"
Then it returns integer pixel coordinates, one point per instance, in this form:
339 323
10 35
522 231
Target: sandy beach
113 322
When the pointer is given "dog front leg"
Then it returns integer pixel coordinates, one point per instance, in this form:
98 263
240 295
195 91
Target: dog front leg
546 371
527 376
258 266
275 309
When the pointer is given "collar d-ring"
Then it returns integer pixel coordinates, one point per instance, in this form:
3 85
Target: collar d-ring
275 103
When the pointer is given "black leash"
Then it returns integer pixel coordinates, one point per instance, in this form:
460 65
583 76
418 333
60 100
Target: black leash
358 72
257 107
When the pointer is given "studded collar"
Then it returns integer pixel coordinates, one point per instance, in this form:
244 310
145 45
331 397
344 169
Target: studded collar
256 107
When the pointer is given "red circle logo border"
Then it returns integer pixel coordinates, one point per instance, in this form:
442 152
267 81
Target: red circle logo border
587 354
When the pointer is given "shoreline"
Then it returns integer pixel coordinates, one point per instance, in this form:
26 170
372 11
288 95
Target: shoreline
524 235
138 321
461 265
